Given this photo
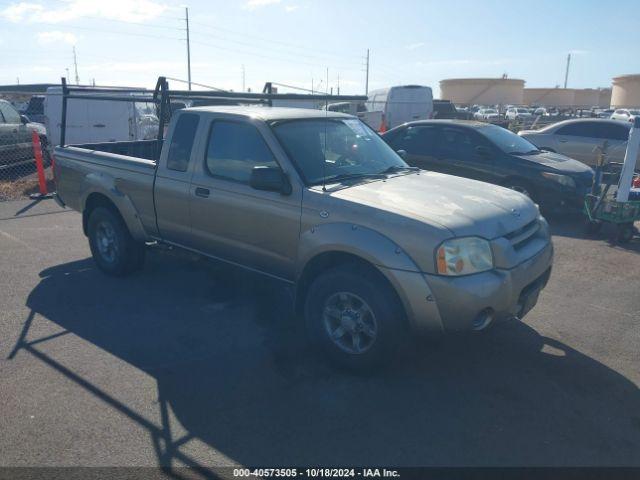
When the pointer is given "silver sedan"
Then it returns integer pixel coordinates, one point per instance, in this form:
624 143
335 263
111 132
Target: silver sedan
583 138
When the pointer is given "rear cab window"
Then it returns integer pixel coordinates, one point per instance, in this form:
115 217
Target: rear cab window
182 140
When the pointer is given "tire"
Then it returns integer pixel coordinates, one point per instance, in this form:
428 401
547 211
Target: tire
114 250
351 301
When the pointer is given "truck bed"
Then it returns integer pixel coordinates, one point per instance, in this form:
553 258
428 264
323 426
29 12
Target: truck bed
124 172
147 149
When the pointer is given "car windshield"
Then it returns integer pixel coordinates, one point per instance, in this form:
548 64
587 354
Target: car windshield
490 110
523 110
336 149
507 141
634 112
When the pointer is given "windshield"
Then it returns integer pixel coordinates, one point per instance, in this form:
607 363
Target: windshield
506 140
490 110
634 112
331 149
523 110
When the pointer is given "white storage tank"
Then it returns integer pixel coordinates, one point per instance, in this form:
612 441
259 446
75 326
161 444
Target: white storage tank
626 91
587 97
482 91
550 97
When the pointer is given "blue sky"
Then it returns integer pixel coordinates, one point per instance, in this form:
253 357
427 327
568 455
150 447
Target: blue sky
131 42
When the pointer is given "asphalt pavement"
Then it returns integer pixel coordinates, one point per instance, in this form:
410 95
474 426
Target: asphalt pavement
189 362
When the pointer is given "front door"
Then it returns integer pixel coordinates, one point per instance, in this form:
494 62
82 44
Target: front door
231 220
420 143
458 150
580 141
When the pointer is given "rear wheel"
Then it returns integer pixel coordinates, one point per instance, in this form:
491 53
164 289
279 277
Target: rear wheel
113 248
354 317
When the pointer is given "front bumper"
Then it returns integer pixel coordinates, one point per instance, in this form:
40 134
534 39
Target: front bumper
501 293
437 303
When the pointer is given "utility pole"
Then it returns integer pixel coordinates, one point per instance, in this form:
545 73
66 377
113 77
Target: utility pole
338 84
366 82
327 87
186 19
566 73
243 78
75 65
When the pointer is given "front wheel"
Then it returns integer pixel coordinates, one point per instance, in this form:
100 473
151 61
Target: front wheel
354 317
113 248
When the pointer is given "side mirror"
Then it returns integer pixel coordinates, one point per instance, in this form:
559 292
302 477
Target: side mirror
483 151
402 153
270 179
24 119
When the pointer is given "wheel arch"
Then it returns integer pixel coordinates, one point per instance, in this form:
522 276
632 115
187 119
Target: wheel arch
98 193
331 259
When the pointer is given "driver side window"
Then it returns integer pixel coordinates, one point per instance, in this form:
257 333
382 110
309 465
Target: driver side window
234 149
457 143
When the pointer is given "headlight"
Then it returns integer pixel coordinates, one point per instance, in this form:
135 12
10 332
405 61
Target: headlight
462 256
561 179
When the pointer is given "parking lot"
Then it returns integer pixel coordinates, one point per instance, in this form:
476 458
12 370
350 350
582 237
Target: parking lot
192 363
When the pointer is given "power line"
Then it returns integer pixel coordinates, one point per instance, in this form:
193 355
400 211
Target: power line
287 44
267 57
295 55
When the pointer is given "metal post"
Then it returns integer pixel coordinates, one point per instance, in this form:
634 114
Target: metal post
186 19
630 159
566 73
366 82
63 120
243 78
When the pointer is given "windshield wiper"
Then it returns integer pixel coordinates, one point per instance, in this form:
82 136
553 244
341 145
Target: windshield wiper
530 152
399 168
350 176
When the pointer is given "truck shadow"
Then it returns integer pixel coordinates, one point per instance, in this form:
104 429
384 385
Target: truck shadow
232 365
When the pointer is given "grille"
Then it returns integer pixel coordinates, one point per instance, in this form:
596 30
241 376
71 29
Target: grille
520 237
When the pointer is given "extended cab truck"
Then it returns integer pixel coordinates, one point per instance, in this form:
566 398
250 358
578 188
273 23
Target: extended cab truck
373 247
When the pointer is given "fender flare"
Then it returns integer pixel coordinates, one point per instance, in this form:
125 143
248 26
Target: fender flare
363 242
107 186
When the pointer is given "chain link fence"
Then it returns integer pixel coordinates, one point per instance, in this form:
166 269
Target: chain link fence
20 138
18 167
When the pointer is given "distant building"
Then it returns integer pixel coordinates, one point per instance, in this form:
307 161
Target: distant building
482 91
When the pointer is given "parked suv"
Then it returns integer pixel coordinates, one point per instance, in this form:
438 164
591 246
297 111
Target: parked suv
16 144
496 155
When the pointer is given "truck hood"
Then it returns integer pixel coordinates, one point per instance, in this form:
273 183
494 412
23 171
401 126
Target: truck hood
464 207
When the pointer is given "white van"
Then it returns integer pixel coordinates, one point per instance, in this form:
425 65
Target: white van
398 105
94 121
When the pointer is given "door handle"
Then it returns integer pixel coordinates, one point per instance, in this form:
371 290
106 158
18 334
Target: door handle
202 192
563 140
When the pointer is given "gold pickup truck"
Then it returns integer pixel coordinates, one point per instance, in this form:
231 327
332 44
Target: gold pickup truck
374 248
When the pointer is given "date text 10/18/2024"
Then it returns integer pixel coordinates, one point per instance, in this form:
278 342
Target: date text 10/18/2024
316 472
